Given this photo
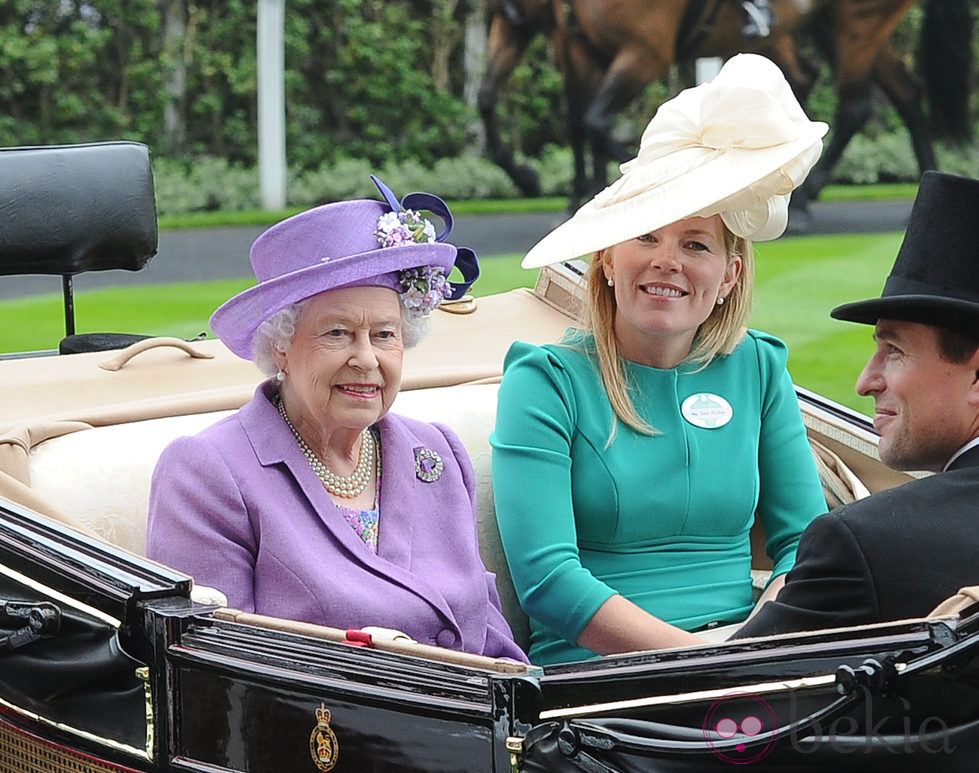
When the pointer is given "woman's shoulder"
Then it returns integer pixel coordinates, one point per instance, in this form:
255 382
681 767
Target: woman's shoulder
765 347
573 350
764 340
213 448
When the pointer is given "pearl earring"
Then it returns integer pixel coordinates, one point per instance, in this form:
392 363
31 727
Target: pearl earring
280 376
720 300
611 282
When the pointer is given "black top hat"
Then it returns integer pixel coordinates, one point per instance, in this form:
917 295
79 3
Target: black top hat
935 278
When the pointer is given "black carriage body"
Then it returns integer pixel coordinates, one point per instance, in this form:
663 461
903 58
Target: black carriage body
892 697
139 678
250 699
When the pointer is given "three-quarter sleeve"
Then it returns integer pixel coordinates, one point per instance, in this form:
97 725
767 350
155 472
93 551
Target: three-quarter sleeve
790 493
532 489
831 585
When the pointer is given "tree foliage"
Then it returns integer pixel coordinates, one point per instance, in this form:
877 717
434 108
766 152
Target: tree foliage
384 81
373 79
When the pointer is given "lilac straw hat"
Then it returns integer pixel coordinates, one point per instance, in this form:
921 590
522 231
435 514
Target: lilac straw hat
348 244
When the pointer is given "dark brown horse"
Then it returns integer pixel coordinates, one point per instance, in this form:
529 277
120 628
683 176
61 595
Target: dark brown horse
609 50
513 26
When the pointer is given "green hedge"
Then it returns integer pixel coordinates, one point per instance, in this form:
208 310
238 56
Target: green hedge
212 185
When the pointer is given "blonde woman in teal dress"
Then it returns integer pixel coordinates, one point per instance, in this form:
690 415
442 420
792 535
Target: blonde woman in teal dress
631 459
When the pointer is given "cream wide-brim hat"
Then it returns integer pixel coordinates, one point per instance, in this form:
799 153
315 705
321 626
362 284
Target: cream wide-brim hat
736 146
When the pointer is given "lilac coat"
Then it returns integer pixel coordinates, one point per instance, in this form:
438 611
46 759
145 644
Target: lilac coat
238 508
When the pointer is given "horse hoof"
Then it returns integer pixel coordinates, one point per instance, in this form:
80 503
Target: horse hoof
527 181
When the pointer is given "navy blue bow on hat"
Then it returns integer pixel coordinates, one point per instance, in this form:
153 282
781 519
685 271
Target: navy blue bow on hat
466 261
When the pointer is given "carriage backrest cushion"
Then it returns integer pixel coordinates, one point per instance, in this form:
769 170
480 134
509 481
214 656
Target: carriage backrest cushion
101 476
74 208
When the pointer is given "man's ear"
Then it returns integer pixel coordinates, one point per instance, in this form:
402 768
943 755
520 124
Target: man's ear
973 396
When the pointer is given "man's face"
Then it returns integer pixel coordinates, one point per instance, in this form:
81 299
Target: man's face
926 407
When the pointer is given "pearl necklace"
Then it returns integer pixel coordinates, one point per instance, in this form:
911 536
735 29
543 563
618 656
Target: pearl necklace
347 486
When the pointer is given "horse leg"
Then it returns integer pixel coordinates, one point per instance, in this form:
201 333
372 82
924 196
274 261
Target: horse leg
631 43
507 43
859 33
582 73
905 93
853 108
621 85
946 58
800 72
616 93
581 183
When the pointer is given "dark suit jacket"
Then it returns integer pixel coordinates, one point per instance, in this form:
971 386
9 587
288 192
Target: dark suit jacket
894 555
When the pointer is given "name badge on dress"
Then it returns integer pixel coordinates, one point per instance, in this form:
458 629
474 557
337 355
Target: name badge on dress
706 410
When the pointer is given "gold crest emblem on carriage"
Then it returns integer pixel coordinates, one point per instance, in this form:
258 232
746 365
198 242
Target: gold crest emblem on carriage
323 746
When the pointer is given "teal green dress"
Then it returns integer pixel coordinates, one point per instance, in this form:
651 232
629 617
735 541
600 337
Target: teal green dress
662 520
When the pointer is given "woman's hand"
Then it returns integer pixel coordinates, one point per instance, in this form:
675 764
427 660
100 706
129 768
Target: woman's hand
621 626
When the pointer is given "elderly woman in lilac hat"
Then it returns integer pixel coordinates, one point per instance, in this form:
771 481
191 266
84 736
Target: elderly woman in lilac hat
313 502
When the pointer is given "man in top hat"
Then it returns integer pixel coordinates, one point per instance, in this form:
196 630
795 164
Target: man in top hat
899 553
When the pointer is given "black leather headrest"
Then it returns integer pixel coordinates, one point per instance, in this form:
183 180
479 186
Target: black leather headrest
65 209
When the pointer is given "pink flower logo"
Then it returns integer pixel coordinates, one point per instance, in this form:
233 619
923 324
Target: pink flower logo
740 728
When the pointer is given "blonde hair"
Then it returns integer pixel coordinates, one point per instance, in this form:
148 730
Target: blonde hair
720 333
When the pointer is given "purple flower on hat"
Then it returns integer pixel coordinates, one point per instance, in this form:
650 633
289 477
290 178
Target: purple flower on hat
406 226
423 289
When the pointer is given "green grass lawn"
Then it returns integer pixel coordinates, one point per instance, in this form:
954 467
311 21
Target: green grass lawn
799 279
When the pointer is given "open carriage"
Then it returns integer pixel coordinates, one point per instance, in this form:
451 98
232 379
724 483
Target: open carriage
111 662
